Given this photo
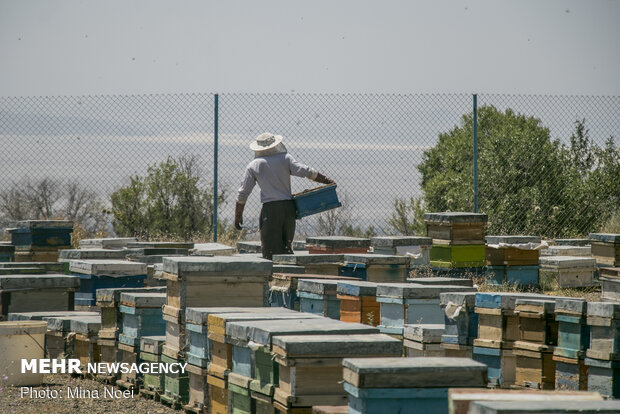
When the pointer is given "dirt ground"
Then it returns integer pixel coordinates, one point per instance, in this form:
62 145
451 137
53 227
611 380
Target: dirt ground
11 401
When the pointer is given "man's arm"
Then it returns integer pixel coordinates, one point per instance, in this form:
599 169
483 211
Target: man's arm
247 185
301 170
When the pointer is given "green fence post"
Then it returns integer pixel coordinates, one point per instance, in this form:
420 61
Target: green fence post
475 153
215 148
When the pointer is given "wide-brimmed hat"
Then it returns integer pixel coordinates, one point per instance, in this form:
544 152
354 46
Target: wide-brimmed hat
265 141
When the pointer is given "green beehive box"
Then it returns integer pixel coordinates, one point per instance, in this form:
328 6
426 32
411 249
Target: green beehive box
471 255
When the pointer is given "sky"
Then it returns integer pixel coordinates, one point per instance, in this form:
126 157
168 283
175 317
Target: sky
71 47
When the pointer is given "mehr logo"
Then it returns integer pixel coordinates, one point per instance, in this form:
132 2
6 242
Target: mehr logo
51 366
73 366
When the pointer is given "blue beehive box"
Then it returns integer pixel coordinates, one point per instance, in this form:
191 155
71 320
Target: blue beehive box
315 201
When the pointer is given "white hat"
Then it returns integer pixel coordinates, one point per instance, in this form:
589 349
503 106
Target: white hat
265 141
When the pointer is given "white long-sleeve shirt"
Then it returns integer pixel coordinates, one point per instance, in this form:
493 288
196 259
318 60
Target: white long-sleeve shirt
273 174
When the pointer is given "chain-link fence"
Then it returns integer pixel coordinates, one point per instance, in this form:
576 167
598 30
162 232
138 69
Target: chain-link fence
55 149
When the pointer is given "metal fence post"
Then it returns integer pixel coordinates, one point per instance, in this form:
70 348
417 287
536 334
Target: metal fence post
215 148
475 153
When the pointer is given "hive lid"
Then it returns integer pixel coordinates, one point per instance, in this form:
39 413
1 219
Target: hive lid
605 237
427 372
439 280
357 288
571 305
261 332
45 224
337 241
542 407
107 243
414 291
113 268
22 327
424 332
95 253
38 281
112 296
143 299
502 300
337 346
395 241
318 286
467 299
217 266
304 258
376 259
512 239
455 217
564 262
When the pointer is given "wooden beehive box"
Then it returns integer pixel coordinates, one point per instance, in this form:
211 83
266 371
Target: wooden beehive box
408 303
310 366
337 245
376 385
455 227
358 302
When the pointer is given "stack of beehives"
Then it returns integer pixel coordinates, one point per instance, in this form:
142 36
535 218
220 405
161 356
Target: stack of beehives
603 354
104 274
538 336
461 323
205 281
512 260
571 373
498 329
40 240
141 316
458 243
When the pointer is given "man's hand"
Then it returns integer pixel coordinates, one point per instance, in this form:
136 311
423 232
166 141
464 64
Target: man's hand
239 215
320 178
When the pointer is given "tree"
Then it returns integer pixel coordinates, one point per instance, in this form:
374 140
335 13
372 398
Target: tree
408 217
528 183
51 199
169 202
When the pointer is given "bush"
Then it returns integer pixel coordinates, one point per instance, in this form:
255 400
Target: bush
528 183
168 202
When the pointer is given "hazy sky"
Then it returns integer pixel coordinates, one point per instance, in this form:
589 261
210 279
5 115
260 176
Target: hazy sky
71 47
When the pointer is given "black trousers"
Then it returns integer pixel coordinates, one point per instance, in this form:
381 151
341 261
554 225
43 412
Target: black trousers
277 228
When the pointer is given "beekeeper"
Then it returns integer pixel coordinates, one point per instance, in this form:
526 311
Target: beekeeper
272 168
